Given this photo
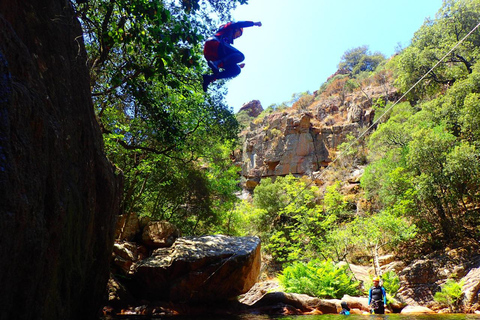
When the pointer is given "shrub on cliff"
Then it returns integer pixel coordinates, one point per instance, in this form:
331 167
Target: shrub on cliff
360 59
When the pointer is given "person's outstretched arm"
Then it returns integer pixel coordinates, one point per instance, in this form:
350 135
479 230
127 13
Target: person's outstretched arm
244 24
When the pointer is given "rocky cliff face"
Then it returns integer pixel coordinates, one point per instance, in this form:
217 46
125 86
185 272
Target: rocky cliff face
424 277
300 140
282 144
58 193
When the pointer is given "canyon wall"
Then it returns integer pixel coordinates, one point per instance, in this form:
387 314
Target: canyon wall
59 195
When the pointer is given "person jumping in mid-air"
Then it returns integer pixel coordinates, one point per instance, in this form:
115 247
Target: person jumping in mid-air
220 54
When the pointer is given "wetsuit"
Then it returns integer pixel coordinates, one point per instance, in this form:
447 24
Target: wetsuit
219 47
377 298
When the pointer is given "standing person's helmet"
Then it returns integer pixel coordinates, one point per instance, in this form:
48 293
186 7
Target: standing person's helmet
376 278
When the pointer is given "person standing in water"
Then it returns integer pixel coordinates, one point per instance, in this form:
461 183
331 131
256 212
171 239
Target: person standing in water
377 297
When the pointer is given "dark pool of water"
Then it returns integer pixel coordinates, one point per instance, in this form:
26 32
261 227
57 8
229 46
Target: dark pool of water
308 317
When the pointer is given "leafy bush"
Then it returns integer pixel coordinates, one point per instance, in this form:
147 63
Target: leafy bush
323 279
391 283
450 295
243 119
292 225
360 59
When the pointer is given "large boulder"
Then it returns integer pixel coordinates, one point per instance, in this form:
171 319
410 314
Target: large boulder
294 303
125 254
471 284
471 287
159 234
420 280
417 310
360 303
252 108
128 226
199 269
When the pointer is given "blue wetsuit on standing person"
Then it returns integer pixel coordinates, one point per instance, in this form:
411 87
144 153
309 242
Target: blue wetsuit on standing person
220 53
377 297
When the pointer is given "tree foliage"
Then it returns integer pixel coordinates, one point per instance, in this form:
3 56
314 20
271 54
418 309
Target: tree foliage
293 225
433 41
159 127
426 162
360 59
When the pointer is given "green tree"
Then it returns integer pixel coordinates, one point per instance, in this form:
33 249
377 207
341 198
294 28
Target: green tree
424 162
159 127
292 224
334 202
360 59
427 158
435 39
382 231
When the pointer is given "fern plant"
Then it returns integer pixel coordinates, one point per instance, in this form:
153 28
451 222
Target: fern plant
450 295
323 279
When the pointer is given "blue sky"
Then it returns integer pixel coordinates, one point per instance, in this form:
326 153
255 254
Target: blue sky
301 42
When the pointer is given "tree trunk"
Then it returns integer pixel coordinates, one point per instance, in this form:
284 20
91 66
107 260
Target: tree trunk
59 195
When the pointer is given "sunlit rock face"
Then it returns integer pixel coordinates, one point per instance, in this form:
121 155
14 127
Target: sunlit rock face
252 108
303 139
199 269
159 234
283 144
286 143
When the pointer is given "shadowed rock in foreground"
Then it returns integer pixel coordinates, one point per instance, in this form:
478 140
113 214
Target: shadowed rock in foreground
199 268
58 193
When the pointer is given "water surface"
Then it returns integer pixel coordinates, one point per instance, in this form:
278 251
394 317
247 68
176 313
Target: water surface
307 317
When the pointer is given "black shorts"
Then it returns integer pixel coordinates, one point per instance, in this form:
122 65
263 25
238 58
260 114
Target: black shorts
378 307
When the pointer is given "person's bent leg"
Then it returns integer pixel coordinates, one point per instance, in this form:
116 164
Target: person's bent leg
233 58
230 71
